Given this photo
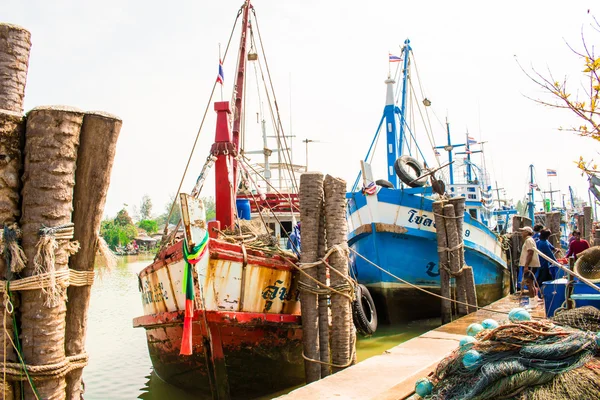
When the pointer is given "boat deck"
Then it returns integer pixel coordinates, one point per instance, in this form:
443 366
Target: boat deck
392 375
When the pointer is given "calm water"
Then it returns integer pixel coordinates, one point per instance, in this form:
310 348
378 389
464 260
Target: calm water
120 367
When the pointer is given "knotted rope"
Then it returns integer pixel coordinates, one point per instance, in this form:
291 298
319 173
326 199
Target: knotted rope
9 246
346 290
44 261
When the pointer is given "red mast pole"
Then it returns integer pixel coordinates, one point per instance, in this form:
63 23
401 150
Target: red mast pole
226 143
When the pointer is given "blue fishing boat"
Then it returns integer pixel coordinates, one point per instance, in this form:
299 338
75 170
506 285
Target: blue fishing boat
391 222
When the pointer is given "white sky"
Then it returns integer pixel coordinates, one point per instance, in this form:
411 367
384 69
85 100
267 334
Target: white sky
153 63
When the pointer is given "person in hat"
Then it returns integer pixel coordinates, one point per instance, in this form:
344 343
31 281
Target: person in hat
528 261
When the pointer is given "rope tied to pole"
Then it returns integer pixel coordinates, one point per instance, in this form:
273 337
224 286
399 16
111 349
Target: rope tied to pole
9 246
44 261
346 289
450 249
68 277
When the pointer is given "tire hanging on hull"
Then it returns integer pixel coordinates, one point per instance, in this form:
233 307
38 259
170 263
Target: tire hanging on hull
410 171
363 311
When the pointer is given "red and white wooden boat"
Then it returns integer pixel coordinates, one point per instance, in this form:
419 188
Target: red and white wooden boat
244 310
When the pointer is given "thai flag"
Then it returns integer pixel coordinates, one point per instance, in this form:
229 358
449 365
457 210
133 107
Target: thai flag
394 58
533 186
551 172
220 77
437 153
471 140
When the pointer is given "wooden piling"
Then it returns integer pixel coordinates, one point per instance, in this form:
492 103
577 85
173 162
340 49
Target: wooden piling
443 266
459 210
311 204
587 223
518 222
322 272
12 131
341 307
553 223
99 134
15 43
454 241
52 138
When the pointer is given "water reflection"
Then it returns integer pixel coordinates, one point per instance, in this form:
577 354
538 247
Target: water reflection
120 367
157 389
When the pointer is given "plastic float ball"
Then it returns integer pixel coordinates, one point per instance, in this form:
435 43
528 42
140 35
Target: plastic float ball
474 329
471 359
423 387
467 342
490 324
519 315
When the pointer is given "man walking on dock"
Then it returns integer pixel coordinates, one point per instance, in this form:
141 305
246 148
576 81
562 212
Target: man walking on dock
528 261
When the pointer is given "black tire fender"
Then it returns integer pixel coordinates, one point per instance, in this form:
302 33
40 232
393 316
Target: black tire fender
384 183
410 171
363 311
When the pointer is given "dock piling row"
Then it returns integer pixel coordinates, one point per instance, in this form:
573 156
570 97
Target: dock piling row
39 156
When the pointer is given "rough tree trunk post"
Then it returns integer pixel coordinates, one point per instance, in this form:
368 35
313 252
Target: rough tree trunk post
15 43
553 223
453 239
516 244
470 289
581 224
459 209
311 204
469 278
323 302
587 223
440 226
99 134
341 307
52 138
12 131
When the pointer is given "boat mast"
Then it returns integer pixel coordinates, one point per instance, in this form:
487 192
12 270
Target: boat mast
391 136
531 204
239 86
469 171
226 145
449 148
405 51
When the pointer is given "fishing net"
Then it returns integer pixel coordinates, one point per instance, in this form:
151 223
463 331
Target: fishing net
588 264
526 360
586 318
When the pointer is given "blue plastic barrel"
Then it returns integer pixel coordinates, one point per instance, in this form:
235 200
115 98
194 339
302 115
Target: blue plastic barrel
243 208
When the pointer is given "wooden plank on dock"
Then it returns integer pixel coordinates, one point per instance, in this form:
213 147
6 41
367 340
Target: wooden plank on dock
392 375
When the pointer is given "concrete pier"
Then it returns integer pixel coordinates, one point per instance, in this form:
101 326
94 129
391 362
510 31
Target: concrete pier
392 375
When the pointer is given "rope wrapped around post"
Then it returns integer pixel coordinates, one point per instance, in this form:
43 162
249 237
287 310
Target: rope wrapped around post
45 258
346 290
16 371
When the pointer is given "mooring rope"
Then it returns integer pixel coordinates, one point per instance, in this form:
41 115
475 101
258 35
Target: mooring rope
321 287
65 278
425 290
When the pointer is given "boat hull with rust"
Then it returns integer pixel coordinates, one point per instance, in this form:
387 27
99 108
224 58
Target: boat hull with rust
246 331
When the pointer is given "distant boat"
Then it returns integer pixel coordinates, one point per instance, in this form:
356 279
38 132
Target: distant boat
391 222
221 314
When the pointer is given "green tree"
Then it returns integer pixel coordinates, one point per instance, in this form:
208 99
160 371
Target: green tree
146 208
116 234
149 225
123 218
210 207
